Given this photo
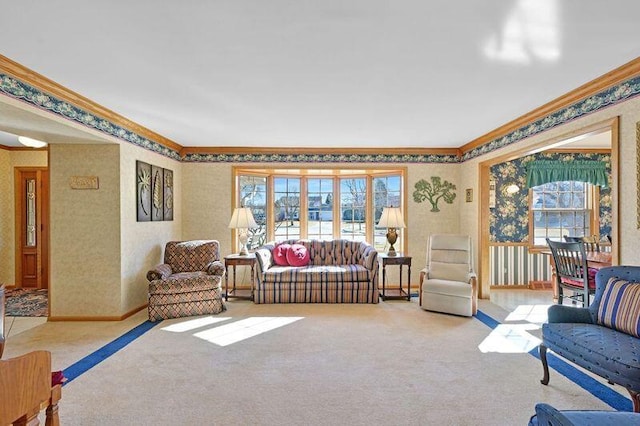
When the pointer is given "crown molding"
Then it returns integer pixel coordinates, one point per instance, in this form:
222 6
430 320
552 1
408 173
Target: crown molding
615 77
23 84
39 81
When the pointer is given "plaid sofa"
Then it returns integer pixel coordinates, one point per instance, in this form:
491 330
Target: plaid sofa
189 282
339 271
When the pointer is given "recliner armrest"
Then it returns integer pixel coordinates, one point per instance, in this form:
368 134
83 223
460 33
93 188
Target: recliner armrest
160 272
215 268
568 314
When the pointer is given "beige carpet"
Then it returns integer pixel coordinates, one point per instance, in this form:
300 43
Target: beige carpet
385 364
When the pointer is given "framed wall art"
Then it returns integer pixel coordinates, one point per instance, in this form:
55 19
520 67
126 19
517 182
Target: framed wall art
157 193
168 194
143 191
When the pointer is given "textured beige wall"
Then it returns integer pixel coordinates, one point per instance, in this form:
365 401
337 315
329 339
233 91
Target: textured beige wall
143 242
8 161
85 232
629 113
206 198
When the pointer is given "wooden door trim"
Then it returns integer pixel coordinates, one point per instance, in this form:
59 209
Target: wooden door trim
613 125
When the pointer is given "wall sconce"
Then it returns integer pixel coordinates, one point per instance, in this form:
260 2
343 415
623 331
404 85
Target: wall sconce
512 189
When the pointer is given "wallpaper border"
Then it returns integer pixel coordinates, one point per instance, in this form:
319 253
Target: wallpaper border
22 91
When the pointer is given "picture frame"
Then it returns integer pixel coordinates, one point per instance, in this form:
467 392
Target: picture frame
157 193
143 191
168 194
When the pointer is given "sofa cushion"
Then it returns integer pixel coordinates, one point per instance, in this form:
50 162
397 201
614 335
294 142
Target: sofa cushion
298 255
609 353
317 273
620 306
279 254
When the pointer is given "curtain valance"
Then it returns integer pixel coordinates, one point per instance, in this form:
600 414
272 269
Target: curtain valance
544 171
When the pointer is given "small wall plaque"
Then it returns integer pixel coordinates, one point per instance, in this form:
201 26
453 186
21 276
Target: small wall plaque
469 195
83 182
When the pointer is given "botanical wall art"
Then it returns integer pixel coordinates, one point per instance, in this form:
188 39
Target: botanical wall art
154 193
168 194
143 196
434 192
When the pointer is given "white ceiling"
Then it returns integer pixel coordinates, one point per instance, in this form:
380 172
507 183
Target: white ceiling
325 73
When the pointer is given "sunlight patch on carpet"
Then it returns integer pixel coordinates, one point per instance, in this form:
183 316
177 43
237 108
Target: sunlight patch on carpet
536 314
188 325
244 329
511 339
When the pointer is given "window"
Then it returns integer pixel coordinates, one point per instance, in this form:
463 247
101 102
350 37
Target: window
286 208
562 208
319 203
353 209
253 194
387 191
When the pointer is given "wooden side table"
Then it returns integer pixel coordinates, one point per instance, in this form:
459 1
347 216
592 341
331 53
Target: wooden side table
238 260
397 292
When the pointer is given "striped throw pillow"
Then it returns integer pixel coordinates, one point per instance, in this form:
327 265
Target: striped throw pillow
620 306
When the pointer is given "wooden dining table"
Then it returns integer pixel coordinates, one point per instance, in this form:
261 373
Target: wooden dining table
595 260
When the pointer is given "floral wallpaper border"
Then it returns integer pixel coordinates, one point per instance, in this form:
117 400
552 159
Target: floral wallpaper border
320 158
14 88
24 92
604 99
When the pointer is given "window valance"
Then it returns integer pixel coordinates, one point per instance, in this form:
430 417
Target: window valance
540 172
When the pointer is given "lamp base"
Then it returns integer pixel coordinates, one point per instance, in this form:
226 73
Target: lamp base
392 237
243 251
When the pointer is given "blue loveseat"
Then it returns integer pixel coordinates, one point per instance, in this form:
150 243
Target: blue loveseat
577 335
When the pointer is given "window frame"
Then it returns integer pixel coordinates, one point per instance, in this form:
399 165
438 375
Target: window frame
335 173
592 195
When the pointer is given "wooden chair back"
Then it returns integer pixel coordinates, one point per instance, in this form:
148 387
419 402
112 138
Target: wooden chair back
25 389
591 243
571 269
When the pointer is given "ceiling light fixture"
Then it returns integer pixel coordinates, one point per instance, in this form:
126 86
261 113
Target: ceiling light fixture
33 143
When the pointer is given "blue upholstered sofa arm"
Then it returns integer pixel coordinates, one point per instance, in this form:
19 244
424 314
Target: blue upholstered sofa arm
546 415
569 314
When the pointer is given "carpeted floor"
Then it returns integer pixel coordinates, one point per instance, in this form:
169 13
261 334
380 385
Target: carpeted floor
27 302
390 363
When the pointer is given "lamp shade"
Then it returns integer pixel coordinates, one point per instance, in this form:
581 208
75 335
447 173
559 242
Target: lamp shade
242 218
391 217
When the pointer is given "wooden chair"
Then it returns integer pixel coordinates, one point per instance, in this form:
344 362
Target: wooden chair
591 243
572 271
25 389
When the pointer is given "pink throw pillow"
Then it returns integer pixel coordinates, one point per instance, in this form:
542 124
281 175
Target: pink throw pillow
280 254
298 255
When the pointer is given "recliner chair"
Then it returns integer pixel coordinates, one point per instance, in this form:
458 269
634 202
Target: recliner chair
448 284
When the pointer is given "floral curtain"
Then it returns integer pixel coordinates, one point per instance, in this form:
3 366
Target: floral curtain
544 171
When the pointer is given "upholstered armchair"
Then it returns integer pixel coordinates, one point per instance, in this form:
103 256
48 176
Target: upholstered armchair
189 282
448 284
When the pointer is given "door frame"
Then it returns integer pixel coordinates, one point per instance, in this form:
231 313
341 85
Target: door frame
42 231
612 125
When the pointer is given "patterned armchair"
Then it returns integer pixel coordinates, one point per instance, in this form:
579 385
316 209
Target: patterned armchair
189 282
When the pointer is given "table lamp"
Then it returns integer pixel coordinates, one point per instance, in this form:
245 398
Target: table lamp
242 219
391 218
